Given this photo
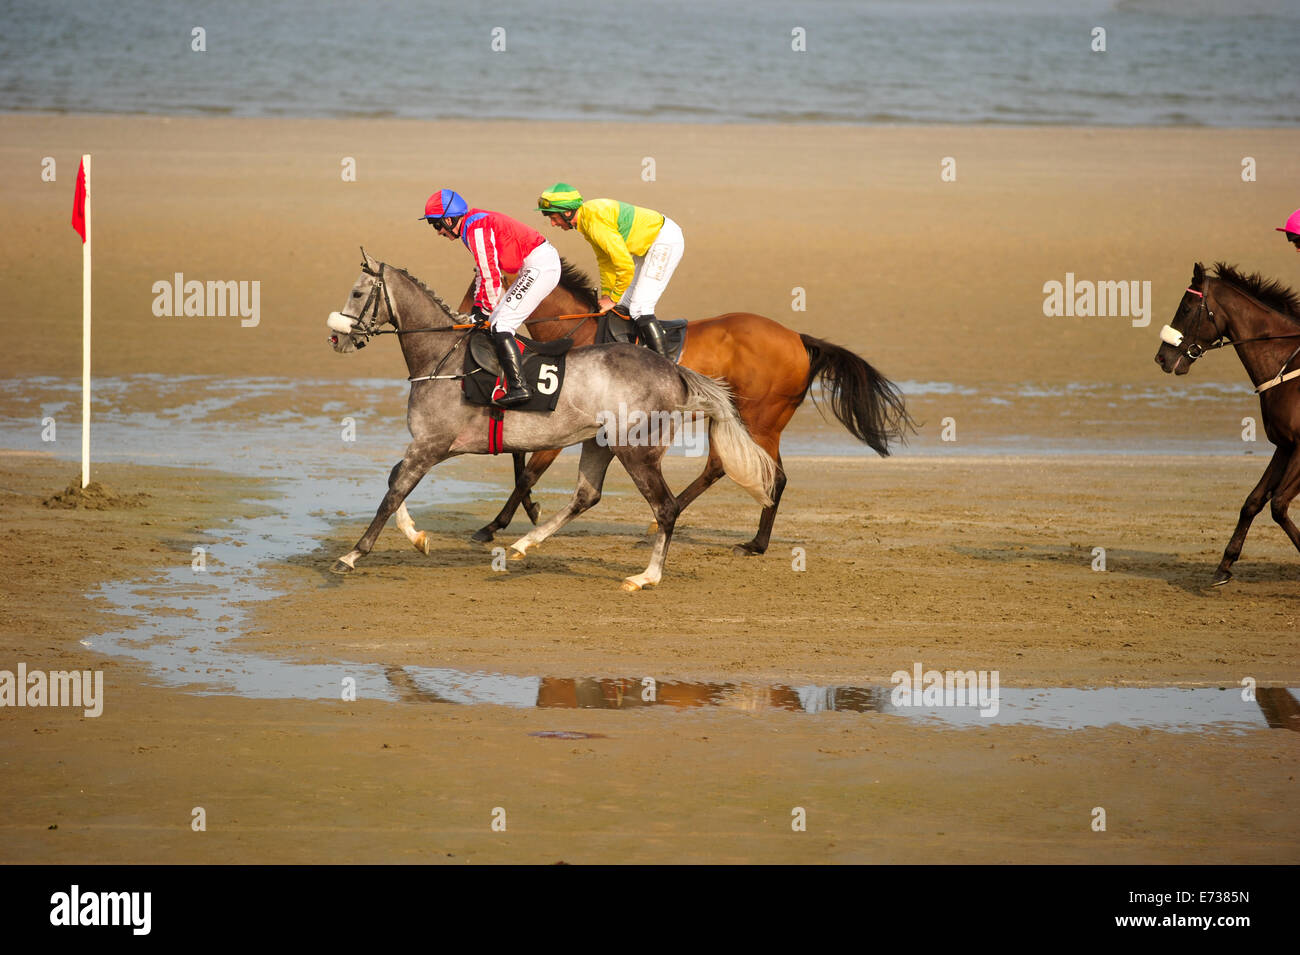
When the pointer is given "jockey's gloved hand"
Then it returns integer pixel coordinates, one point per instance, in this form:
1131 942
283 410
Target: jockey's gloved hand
478 316
621 310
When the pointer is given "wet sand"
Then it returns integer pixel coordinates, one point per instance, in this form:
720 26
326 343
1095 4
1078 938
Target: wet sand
973 560
1002 581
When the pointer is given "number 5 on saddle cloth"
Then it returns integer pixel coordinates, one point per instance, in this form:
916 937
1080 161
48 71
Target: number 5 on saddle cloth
543 367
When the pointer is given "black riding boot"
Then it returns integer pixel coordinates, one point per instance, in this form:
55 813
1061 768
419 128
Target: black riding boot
652 336
508 354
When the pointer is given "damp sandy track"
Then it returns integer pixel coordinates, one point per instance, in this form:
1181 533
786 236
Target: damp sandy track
1002 580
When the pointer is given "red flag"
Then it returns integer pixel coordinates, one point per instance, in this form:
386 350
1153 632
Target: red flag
79 202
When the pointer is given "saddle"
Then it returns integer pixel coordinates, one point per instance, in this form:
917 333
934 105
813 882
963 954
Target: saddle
616 328
543 366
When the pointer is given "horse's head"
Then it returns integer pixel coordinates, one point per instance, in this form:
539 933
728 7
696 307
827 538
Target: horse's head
367 308
1192 330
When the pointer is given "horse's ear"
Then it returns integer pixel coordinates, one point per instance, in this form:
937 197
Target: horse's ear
367 263
1198 273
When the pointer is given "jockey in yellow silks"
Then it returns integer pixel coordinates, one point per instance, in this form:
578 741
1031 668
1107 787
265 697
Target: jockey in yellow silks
636 249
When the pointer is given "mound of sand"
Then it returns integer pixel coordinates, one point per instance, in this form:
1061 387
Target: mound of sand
93 497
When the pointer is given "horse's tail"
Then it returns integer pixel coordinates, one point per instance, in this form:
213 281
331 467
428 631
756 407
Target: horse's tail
865 401
746 463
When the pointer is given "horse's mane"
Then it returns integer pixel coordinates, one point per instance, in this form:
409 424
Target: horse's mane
578 282
432 295
1269 292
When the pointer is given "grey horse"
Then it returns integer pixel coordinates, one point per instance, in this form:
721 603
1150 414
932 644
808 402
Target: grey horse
600 382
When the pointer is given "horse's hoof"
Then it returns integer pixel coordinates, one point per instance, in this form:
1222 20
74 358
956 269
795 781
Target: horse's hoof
1221 578
516 554
483 535
652 529
745 550
534 511
422 543
630 586
339 567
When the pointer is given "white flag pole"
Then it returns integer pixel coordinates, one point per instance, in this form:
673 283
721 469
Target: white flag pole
85 337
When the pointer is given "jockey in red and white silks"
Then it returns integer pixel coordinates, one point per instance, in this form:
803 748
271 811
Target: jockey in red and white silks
499 245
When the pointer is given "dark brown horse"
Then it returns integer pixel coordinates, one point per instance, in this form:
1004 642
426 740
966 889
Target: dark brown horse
769 369
1261 319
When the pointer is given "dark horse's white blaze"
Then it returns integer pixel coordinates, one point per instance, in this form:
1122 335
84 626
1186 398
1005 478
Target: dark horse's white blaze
597 379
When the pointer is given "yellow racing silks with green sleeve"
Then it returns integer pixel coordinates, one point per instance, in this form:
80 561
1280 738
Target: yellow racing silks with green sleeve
617 231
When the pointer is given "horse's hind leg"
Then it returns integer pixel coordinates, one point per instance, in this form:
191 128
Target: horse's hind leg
643 466
759 544
591 477
1254 504
712 473
1287 489
406 524
524 481
406 474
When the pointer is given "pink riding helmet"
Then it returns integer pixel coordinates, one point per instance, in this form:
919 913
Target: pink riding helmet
1292 224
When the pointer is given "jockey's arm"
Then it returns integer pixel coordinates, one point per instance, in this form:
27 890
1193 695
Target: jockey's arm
490 284
614 260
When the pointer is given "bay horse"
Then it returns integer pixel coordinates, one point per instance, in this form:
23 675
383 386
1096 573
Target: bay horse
769 368
1260 318
442 425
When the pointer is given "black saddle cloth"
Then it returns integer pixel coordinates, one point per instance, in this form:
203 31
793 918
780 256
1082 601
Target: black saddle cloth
615 328
543 365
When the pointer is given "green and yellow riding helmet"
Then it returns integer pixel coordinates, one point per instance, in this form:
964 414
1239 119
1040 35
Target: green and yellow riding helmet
561 198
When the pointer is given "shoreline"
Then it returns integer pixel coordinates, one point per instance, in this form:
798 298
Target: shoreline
667 123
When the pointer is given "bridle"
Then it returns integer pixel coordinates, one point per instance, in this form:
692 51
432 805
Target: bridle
359 324
1187 348
1192 350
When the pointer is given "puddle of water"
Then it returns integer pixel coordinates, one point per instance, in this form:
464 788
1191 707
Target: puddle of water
1173 709
170 619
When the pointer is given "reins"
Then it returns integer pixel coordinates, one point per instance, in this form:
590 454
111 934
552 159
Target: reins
372 305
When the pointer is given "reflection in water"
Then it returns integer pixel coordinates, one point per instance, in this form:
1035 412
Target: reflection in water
417 685
1279 707
1063 708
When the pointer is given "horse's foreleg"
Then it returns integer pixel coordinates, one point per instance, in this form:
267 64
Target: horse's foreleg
524 481
591 477
406 474
643 466
1254 504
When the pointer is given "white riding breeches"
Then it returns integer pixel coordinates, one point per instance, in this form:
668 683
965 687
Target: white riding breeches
536 280
654 269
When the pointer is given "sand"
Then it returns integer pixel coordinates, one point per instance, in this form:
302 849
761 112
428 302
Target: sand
968 560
